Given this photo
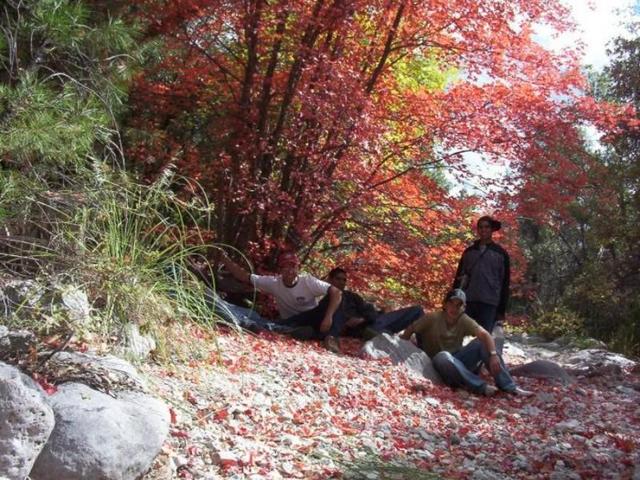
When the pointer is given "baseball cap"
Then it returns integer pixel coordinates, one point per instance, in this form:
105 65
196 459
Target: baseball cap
456 294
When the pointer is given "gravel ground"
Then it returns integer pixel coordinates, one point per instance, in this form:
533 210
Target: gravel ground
270 407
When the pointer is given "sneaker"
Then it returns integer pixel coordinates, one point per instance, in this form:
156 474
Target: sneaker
331 344
521 392
489 390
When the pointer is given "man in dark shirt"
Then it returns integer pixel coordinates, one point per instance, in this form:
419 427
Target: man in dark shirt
484 275
362 318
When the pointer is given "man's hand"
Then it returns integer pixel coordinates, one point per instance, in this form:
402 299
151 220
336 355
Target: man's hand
494 365
234 269
325 325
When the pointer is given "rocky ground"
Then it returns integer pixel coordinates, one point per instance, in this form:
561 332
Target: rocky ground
269 407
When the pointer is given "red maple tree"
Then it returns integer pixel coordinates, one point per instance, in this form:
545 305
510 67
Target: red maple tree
329 124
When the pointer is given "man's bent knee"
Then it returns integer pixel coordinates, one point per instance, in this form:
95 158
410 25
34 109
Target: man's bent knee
441 359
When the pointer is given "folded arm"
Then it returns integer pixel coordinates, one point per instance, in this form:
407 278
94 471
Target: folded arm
335 297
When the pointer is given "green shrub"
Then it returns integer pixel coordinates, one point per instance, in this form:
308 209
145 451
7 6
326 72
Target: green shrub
558 322
626 336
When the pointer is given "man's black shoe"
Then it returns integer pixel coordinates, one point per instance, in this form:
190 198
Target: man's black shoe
303 333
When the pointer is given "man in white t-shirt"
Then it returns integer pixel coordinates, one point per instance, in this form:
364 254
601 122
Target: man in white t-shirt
296 295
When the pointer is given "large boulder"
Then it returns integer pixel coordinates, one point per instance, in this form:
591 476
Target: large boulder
543 369
28 299
597 362
402 352
26 421
100 436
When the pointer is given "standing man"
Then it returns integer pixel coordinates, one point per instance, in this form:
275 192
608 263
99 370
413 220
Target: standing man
296 297
362 317
484 275
440 335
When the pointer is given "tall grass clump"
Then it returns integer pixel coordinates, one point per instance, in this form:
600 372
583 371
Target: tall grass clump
135 243
72 219
129 247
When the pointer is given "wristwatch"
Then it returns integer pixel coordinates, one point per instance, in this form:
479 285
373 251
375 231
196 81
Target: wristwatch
493 352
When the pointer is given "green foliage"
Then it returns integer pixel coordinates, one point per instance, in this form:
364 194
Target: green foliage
626 337
611 311
417 73
72 217
134 243
589 261
64 70
558 322
128 246
53 126
64 23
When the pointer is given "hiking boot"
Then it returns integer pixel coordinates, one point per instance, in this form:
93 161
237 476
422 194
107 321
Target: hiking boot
331 344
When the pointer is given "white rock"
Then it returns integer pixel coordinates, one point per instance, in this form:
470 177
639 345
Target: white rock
77 305
568 426
137 346
98 436
26 421
402 352
224 458
424 454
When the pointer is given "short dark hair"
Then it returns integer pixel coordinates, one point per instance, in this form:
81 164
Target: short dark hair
495 224
336 271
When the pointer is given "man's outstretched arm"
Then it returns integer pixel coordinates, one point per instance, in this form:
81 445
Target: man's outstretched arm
236 270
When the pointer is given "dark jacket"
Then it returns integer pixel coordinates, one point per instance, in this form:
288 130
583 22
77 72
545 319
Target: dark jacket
353 305
489 275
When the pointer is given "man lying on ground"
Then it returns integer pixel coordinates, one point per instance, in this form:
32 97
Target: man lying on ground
440 335
296 297
361 317
232 313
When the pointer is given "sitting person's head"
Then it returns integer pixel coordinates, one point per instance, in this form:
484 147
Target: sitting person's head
338 278
454 303
288 267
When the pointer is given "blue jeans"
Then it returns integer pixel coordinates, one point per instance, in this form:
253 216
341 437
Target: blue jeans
313 318
398 320
243 317
457 369
486 315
